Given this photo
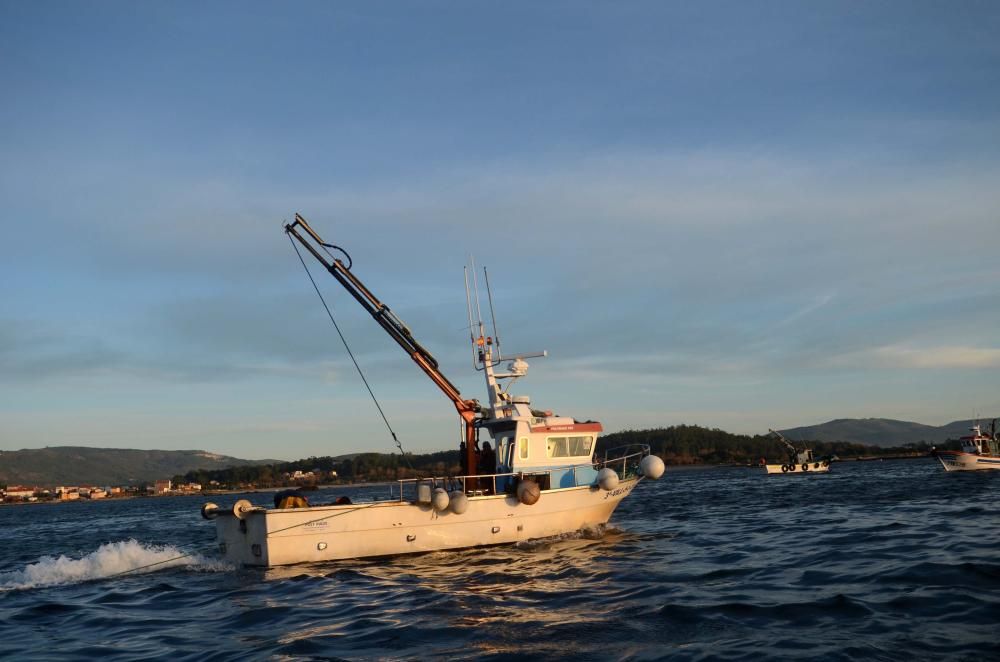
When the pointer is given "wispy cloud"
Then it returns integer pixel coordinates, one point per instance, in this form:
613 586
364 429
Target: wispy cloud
910 357
938 357
811 307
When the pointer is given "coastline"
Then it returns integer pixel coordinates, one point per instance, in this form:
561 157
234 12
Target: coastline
203 493
670 468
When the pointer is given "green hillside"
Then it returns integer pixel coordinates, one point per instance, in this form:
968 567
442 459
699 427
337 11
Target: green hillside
79 465
882 432
693 444
678 444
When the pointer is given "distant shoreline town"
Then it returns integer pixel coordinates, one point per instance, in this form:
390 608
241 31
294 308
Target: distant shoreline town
32 494
14 494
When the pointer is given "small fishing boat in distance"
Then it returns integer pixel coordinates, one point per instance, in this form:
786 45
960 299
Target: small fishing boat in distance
541 480
799 461
978 451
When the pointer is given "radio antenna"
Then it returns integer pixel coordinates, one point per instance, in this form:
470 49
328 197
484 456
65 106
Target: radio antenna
496 334
468 307
475 287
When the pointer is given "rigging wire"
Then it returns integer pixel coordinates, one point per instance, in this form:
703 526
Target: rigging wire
350 353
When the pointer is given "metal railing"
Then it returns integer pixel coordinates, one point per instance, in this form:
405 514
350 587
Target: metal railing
453 483
628 459
626 464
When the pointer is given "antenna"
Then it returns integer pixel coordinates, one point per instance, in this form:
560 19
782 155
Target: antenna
468 306
475 285
496 334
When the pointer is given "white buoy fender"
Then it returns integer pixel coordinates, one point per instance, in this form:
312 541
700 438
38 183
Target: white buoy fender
651 467
459 502
440 499
210 511
528 492
607 479
241 508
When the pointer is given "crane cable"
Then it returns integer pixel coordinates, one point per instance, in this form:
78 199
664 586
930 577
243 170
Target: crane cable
349 352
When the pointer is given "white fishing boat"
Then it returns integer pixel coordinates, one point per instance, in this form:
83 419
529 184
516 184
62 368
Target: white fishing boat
978 451
799 461
542 480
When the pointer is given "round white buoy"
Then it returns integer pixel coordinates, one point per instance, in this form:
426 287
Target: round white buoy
440 499
459 502
528 492
651 467
210 511
607 479
241 508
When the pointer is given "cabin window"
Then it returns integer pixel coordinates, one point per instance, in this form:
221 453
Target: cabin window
556 447
524 448
568 446
505 451
580 445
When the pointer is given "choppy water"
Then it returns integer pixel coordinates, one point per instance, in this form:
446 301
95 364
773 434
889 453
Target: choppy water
888 560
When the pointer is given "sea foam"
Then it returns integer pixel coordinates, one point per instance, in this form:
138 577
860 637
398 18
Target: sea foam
108 560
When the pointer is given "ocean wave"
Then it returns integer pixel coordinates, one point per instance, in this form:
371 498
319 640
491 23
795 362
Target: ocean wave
109 560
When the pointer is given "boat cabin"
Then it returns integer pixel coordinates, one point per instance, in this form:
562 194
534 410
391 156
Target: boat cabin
557 451
980 444
803 457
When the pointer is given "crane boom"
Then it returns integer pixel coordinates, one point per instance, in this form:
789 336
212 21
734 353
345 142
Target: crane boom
392 325
783 440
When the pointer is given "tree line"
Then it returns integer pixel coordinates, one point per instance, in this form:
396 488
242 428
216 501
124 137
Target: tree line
677 445
693 444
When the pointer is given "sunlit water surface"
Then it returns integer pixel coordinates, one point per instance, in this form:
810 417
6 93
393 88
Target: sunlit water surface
879 560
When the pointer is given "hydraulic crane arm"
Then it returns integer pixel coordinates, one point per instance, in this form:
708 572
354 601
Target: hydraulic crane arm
783 440
392 325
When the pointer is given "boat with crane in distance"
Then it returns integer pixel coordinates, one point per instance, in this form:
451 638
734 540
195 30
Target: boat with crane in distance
798 462
542 479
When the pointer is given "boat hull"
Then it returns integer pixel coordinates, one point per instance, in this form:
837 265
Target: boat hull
263 537
813 468
960 461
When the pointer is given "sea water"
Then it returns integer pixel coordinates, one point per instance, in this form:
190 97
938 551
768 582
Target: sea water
876 560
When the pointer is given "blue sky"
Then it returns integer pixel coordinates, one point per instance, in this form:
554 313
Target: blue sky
739 215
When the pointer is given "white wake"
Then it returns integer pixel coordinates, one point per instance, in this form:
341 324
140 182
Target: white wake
109 560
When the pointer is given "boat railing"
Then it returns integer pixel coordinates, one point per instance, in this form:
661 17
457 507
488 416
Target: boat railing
487 484
483 484
625 460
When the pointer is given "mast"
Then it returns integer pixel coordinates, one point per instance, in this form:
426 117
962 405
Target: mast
392 325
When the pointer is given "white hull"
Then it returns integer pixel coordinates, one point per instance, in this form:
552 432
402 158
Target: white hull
959 461
813 468
324 533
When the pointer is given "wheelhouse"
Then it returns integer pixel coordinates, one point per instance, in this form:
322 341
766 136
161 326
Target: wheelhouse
556 451
980 444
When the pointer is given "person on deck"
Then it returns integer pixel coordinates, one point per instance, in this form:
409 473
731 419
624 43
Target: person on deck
487 459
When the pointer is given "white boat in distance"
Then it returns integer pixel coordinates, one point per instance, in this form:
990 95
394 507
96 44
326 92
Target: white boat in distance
544 480
799 461
978 451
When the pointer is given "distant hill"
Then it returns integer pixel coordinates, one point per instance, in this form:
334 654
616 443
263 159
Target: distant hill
881 431
79 465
